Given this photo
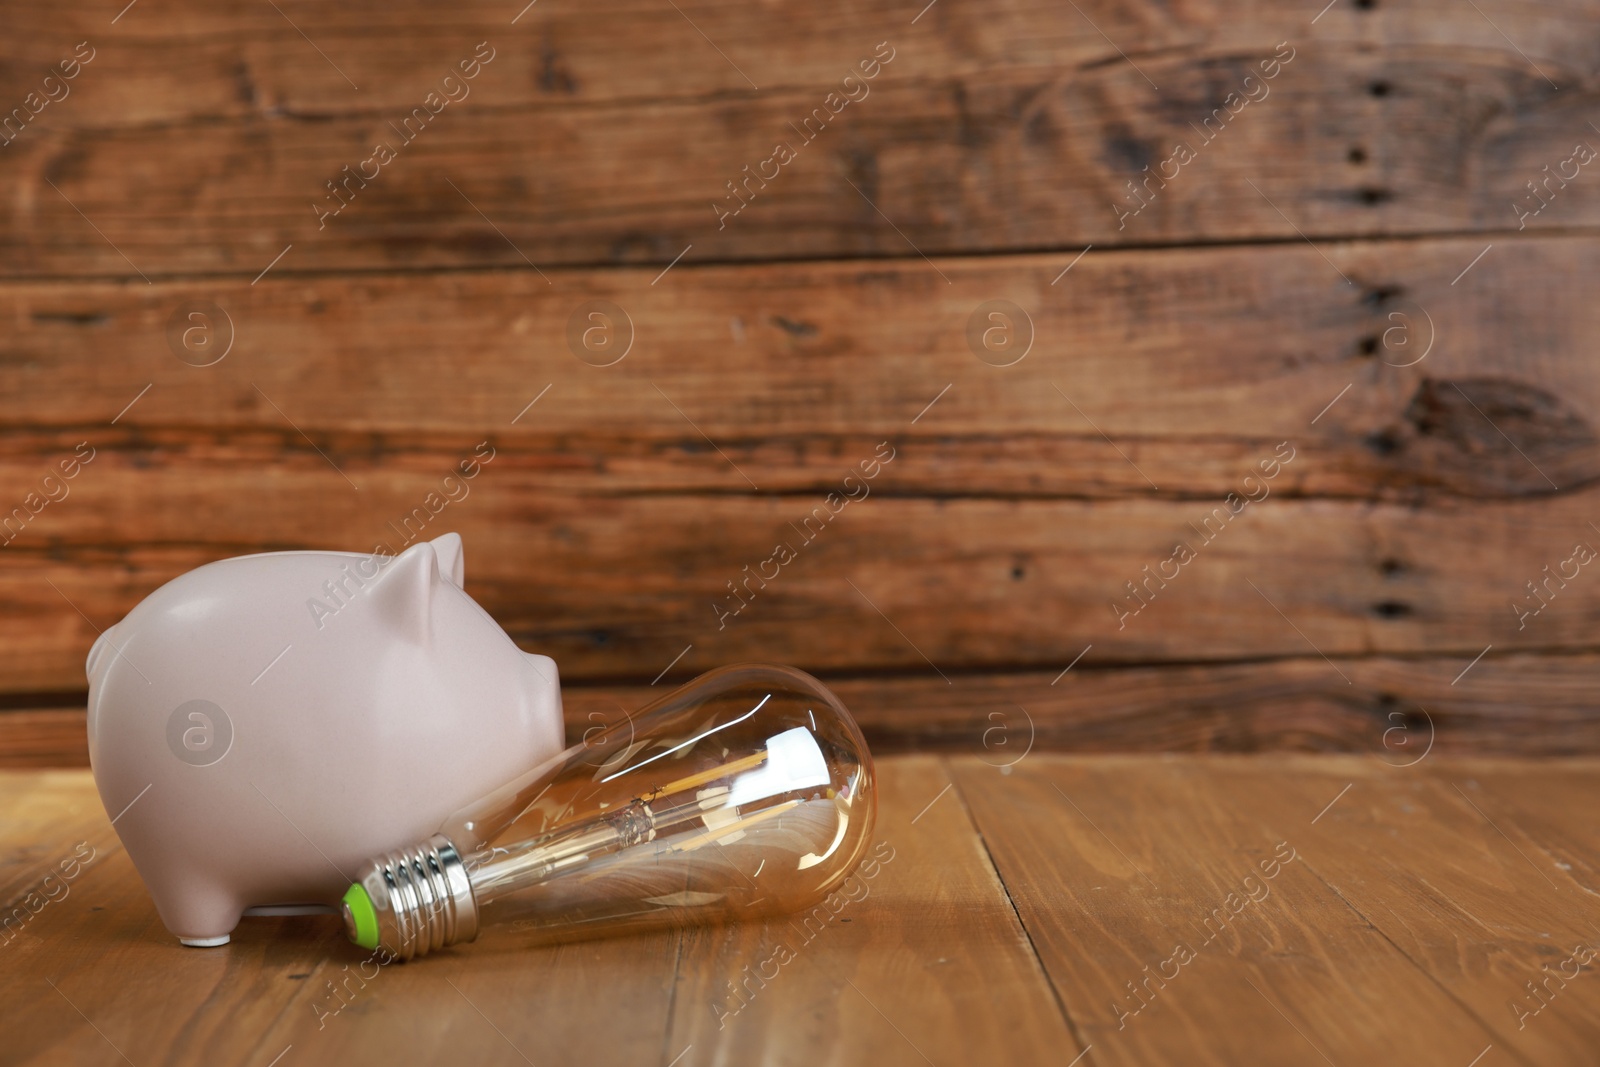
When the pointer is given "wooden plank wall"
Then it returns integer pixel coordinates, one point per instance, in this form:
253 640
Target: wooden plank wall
1333 268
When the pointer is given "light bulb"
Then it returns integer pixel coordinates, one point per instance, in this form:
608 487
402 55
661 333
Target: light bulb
746 793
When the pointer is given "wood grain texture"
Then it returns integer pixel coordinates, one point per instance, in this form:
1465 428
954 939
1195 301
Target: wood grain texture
1528 804
44 737
1396 710
1277 292
1420 501
1430 857
280 978
603 1001
48 814
613 587
1016 132
1004 929
234 60
1118 864
798 370
926 962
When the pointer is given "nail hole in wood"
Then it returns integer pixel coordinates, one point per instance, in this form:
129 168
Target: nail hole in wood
1380 295
1384 443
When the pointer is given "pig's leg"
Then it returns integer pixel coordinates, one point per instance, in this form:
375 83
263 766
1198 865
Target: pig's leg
201 916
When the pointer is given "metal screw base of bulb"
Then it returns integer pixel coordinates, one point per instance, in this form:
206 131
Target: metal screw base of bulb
422 897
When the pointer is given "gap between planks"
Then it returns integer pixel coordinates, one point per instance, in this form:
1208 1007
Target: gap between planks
1022 927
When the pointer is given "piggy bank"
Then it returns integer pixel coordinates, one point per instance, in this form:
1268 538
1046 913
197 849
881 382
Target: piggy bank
261 726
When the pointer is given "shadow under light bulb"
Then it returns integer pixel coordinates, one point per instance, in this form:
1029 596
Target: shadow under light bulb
746 793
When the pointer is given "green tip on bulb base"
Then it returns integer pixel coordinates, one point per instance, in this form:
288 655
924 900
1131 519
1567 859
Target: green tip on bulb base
360 917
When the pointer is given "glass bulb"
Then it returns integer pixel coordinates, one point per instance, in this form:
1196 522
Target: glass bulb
748 792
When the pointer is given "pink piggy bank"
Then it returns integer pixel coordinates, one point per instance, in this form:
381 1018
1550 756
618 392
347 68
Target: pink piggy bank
262 726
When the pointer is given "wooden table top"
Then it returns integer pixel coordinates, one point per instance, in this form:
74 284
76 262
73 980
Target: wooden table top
1116 909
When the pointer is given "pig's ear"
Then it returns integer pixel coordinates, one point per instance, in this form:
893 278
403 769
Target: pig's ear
448 548
404 591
